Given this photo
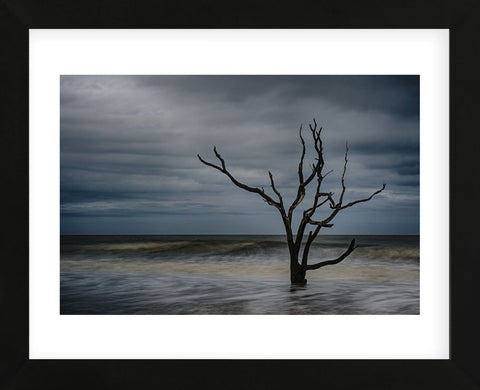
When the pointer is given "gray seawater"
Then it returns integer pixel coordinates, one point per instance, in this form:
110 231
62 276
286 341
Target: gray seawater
235 275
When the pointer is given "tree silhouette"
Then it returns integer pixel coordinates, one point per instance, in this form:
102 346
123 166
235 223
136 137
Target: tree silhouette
299 267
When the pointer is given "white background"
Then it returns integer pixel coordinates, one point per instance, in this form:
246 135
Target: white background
57 52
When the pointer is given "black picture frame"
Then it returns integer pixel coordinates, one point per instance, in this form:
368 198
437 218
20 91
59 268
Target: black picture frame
461 17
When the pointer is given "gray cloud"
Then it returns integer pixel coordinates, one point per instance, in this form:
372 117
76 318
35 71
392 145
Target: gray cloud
129 145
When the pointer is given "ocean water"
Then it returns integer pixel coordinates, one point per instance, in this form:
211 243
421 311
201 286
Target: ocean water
237 274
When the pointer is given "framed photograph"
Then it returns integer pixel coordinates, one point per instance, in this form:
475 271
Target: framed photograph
152 236
274 199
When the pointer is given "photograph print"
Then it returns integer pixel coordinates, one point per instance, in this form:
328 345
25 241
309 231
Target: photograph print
239 194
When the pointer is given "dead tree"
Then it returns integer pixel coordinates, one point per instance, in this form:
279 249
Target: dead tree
299 266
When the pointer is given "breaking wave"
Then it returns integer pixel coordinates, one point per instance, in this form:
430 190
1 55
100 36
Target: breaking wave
389 252
236 248
194 247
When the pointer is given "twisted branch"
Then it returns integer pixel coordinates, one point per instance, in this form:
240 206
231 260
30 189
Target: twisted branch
316 168
330 262
256 190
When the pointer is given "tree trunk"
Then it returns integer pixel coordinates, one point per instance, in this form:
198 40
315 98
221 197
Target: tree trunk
297 272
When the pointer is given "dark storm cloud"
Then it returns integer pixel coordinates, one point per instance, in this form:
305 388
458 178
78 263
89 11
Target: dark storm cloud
129 146
398 95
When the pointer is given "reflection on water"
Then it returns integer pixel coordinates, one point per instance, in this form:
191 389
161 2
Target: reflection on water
188 276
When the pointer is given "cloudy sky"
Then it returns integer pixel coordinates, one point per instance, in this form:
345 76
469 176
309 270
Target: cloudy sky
129 147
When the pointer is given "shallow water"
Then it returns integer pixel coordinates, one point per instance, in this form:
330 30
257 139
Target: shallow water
235 275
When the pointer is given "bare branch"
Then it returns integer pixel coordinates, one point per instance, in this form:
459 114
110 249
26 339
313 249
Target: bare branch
316 168
317 142
224 170
219 157
343 174
336 208
324 201
210 164
320 223
363 200
309 212
328 173
274 189
330 262
316 171
300 164
311 237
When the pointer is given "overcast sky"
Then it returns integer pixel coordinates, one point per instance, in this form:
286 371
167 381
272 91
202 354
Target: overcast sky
129 147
